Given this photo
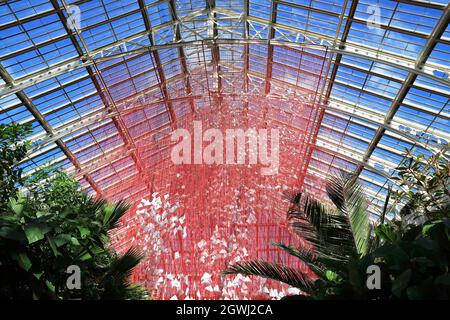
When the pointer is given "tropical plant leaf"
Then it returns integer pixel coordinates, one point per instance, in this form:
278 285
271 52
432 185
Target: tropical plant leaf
401 282
308 208
273 271
333 239
306 256
17 204
12 233
53 246
22 260
116 279
83 231
122 266
113 213
347 195
387 233
62 239
35 232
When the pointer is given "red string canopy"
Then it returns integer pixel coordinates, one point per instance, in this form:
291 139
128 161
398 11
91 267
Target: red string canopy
194 219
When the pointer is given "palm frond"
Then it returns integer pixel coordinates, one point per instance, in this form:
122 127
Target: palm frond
136 292
310 209
116 281
336 235
113 213
92 204
306 256
329 232
272 271
292 197
347 195
123 265
311 220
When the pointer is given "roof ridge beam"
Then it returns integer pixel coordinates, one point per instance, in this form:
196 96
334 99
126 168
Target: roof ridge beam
402 93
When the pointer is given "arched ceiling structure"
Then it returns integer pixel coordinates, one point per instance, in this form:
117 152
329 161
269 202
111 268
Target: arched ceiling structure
104 83
387 84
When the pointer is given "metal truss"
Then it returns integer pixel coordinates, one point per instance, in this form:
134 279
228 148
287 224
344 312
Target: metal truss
208 34
421 59
104 93
278 35
48 128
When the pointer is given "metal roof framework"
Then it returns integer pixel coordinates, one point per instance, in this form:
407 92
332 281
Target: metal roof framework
388 85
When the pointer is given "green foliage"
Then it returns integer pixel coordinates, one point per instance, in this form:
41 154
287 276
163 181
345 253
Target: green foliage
347 195
415 267
413 252
339 235
273 271
13 149
414 257
387 233
41 236
115 282
55 225
411 268
426 186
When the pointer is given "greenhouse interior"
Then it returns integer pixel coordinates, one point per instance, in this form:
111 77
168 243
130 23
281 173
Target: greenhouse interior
225 149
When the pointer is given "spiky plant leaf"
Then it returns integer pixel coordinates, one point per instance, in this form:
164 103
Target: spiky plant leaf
347 195
328 231
123 265
116 280
307 256
113 213
272 271
310 209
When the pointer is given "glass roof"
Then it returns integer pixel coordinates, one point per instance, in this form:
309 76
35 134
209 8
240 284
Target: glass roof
76 70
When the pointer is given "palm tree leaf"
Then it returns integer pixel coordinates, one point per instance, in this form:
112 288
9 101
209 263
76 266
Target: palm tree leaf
310 209
322 226
337 235
113 213
332 239
306 256
92 204
273 271
292 197
116 279
318 224
347 195
123 266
